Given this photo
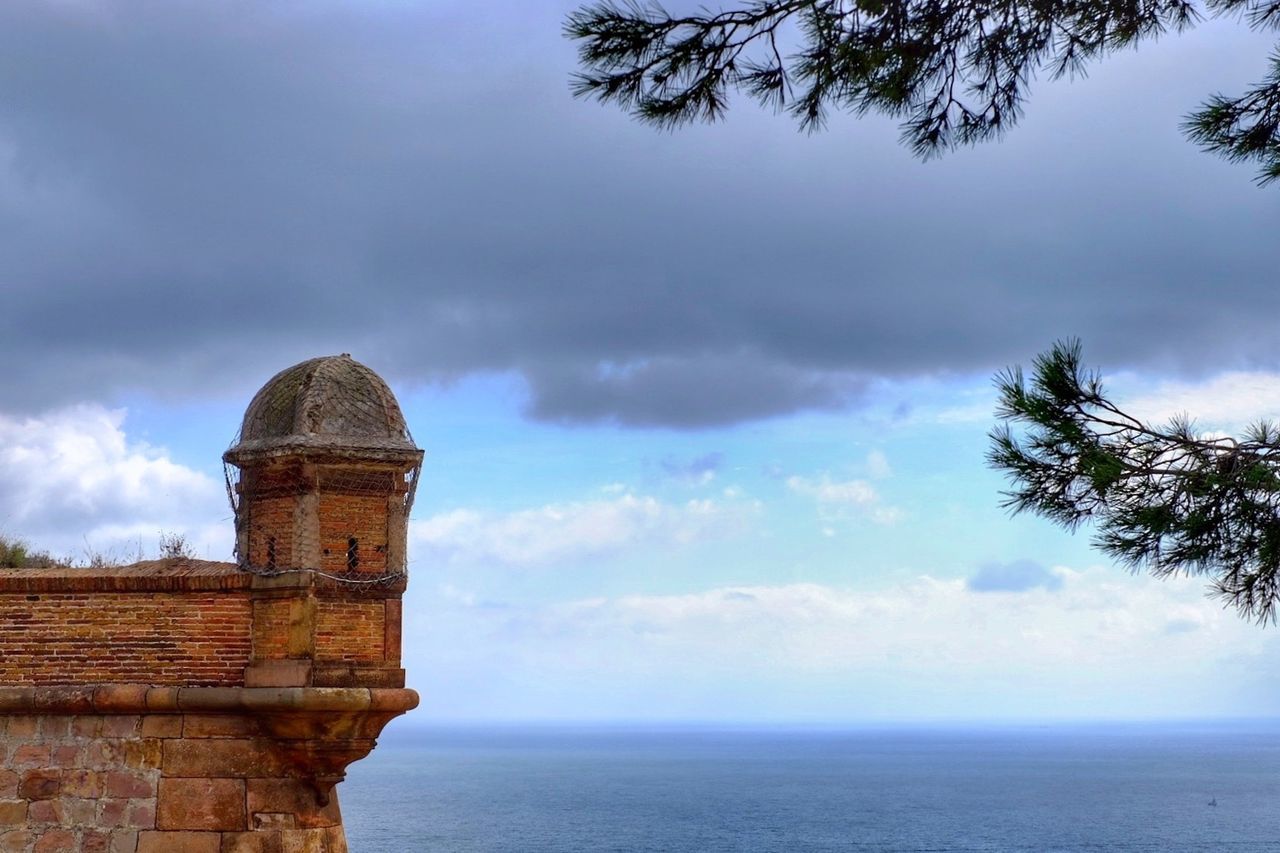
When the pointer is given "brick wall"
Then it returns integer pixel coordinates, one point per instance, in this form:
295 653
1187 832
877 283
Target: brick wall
166 629
271 532
272 620
352 631
361 517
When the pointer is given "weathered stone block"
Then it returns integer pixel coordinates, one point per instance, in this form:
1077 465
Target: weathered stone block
16 840
142 815
251 842
274 820
40 784
31 755
124 841
88 725
45 811
78 811
125 725
278 673
95 841
82 783
120 697
22 727
13 812
55 728
145 754
128 784
217 725
292 797
218 758
161 726
210 804
179 842
305 841
103 754
112 813
55 841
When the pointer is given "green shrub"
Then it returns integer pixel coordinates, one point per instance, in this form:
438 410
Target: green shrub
17 554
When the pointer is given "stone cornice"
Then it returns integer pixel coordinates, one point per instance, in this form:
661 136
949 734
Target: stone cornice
187 576
145 699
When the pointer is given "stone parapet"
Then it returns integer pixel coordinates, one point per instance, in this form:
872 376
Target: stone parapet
193 622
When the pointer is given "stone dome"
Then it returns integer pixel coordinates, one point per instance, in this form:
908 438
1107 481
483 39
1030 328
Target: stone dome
332 405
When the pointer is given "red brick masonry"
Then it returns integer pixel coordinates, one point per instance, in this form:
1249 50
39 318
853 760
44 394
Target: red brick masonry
126 725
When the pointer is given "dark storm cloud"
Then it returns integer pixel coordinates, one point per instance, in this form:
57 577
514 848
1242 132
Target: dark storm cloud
193 194
683 391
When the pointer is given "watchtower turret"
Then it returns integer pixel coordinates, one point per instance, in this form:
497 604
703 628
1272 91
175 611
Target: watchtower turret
321 478
228 698
326 473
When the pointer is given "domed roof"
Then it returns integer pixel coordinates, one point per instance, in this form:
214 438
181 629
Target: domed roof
332 404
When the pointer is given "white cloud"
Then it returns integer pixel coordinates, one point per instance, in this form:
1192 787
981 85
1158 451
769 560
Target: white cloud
878 467
962 403
836 497
561 532
1104 645
972 413
73 479
921 625
855 492
1228 401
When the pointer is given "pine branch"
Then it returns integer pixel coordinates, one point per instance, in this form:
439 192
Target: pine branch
955 72
1246 128
1165 499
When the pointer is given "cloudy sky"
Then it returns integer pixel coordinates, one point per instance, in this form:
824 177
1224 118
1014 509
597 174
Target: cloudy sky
704 411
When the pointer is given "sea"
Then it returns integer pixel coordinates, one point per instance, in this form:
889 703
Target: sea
1211 786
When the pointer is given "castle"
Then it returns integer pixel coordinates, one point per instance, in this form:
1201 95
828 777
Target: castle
188 706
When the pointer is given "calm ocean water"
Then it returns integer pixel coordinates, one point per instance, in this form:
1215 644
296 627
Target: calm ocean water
1103 788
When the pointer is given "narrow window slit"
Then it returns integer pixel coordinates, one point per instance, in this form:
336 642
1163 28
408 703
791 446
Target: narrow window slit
353 554
271 552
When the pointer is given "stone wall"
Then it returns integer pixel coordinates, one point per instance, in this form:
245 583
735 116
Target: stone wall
76 783
182 706
239 771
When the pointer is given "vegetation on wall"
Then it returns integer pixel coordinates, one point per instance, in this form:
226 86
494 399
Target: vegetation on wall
17 553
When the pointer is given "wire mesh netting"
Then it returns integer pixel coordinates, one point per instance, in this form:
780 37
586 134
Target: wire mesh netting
322 475
344 521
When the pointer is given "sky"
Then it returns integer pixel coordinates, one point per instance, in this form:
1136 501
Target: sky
704 411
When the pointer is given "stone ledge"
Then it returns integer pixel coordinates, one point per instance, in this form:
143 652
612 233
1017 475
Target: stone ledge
145 699
173 575
181 575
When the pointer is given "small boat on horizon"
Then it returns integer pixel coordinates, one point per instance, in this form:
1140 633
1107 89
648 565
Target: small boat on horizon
1214 801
